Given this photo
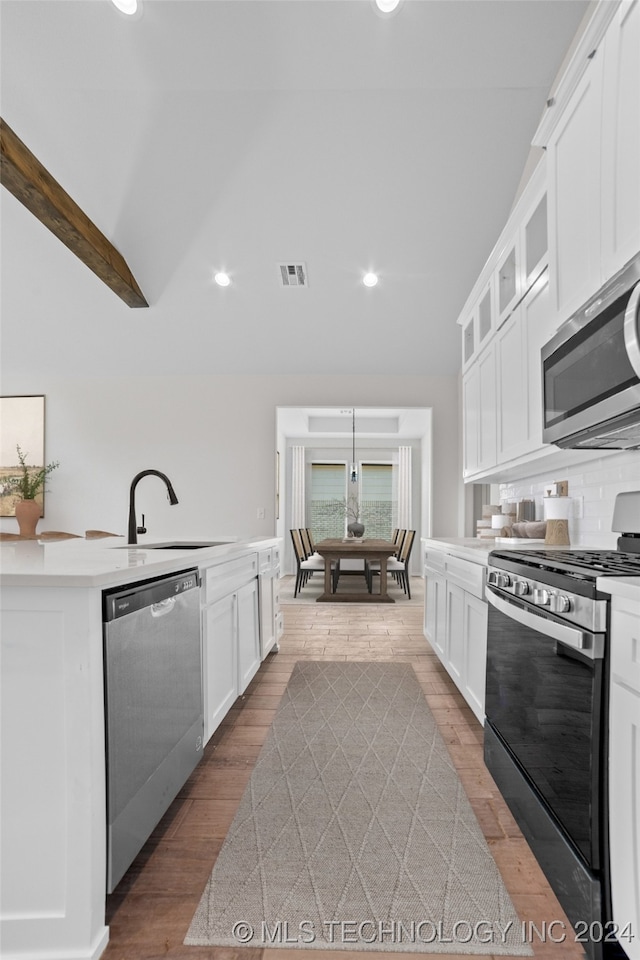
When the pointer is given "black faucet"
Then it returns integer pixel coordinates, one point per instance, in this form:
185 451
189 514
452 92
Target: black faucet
134 529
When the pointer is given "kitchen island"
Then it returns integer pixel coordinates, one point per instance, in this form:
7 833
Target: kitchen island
53 804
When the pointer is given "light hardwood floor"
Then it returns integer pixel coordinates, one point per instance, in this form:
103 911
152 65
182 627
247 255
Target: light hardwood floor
151 910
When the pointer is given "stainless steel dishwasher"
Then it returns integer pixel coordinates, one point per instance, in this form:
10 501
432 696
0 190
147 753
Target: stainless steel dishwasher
153 703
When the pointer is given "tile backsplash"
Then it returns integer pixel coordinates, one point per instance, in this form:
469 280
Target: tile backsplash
593 487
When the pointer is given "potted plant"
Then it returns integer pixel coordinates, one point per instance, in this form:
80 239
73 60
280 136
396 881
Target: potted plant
28 486
349 508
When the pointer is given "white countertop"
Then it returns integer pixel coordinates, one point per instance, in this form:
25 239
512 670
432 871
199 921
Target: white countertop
476 549
106 562
626 587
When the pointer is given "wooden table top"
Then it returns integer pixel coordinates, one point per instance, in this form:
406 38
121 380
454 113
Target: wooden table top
353 545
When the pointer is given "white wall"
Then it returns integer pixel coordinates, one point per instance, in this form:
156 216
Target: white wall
214 436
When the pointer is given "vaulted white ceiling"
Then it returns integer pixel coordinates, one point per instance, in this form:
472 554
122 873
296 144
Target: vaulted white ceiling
236 134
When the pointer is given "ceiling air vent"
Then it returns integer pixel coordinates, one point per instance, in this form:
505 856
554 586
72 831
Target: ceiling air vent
293 274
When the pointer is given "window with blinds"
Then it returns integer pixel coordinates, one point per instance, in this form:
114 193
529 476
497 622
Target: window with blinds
328 485
376 499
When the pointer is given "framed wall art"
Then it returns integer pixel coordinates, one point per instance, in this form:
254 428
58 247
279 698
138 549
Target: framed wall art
21 425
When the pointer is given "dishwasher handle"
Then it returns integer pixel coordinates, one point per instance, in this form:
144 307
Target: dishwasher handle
162 608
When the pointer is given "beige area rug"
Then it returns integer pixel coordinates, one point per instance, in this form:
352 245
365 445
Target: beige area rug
356 584
355 832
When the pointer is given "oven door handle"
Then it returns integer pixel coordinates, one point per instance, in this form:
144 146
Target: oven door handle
591 645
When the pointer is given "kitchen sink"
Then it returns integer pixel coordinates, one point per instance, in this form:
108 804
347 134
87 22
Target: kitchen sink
174 545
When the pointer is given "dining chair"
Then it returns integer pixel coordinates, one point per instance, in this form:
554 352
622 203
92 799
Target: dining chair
306 542
398 566
304 566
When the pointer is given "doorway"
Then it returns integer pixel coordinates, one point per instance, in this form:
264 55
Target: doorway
314 435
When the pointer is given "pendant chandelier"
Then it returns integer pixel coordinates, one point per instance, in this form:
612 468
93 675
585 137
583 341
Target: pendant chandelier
354 467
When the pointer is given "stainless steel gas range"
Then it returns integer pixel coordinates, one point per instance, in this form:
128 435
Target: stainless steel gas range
546 718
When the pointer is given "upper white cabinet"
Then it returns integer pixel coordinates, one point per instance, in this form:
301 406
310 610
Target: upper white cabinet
593 155
479 413
479 323
575 225
573 157
508 282
620 194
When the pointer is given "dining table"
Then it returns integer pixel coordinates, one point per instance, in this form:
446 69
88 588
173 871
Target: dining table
355 548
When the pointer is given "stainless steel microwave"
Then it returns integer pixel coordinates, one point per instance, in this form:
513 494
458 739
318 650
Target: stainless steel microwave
591 371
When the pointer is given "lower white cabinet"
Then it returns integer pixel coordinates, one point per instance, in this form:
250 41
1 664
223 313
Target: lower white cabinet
624 772
455 622
475 620
219 662
435 610
230 636
248 627
454 633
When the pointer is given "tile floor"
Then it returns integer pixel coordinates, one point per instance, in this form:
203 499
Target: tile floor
151 910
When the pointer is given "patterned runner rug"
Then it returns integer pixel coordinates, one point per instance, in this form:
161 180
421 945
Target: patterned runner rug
355 832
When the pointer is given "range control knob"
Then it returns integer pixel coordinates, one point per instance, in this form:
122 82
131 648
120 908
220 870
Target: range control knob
521 588
503 580
541 597
559 603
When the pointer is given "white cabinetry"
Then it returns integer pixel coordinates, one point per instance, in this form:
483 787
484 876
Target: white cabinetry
502 391
593 153
435 609
231 635
620 194
248 627
271 625
219 662
455 622
624 770
573 157
479 413
511 407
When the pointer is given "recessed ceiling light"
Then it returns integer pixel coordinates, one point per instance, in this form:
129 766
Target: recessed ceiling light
126 6
222 279
370 279
387 6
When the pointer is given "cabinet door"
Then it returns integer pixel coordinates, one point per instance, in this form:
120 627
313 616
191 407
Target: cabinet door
248 634
511 373
535 242
471 420
624 818
219 662
573 157
475 653
266 590
487 409
539 325
454 654
508 282
435 612
621 139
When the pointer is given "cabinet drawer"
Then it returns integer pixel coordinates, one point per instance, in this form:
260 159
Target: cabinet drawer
265 561
224 578
470 576
625 644
435 560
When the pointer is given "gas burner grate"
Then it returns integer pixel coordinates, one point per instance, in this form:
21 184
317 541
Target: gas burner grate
582 563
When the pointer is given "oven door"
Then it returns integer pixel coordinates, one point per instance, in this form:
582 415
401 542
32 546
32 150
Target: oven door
543 700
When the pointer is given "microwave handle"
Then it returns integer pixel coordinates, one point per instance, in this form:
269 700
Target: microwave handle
588 643
632 329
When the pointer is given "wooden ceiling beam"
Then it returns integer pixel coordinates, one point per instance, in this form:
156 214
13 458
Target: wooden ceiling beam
24 176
